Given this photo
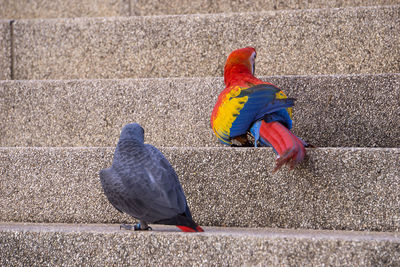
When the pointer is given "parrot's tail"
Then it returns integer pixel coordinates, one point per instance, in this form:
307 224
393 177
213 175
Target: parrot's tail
184 223
289 147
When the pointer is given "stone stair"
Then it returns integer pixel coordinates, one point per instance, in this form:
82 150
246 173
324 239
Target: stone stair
69 83
331 110
316 41
23 9
72 245
336 188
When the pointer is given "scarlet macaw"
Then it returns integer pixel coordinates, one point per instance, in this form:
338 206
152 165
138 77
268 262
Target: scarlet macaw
249 105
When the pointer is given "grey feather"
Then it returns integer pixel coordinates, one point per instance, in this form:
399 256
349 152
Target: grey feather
141 182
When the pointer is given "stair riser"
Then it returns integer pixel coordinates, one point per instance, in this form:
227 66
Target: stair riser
21 9
330 111
143 7
143 249
353 40
353 189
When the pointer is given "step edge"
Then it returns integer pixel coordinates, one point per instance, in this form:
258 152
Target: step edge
269 233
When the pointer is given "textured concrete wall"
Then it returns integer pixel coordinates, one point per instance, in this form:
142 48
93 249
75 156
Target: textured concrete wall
359 110
354 40
352 189
23 9
95 245
5 50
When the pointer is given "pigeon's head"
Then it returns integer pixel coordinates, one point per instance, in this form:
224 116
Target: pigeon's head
132 131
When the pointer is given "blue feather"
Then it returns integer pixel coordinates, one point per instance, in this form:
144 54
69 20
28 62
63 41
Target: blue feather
255 131
275 105
260 102
281 115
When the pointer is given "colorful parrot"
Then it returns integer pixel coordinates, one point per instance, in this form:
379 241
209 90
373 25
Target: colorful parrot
249 105
142 183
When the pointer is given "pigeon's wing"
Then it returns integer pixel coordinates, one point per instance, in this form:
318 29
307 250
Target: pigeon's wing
111 187
124 184
169 180
150 189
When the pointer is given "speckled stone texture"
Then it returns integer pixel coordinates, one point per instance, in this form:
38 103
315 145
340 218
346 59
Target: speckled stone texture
143 7
348 189
321 41
94 245
351 110
5 50
23 9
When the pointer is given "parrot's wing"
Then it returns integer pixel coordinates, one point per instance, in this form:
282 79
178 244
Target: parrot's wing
238 107
258 101
276 105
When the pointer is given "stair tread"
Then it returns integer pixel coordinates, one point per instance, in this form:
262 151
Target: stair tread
209 230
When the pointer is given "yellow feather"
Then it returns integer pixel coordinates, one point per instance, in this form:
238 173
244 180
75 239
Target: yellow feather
230 108
281 95
227 113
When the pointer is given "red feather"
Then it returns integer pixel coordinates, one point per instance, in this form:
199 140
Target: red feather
188 229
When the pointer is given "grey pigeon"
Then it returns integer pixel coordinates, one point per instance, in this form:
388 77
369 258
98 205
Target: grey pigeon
142 183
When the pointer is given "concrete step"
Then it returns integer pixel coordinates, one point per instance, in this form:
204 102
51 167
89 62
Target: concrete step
5 50
320 41
24 9
143 7
335 188
20 9
60 244
344 110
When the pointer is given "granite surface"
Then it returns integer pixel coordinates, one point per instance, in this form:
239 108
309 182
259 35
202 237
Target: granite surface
5 50
143 7
321 41
335 188
26 9
23 9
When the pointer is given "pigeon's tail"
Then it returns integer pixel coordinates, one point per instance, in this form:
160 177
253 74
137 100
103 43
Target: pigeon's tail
184 223
188 229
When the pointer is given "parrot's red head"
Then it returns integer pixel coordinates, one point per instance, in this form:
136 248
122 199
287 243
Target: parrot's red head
240 62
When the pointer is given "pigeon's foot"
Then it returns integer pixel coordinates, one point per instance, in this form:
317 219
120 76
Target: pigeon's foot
141 226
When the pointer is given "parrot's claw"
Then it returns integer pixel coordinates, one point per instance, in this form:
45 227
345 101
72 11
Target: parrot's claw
241 141
135 227
291 157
